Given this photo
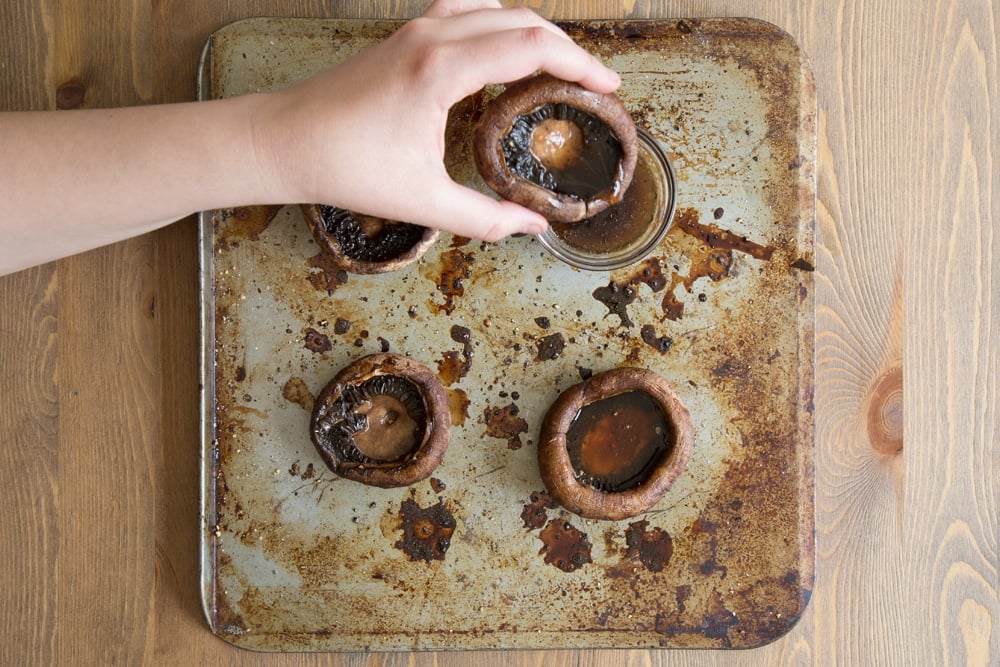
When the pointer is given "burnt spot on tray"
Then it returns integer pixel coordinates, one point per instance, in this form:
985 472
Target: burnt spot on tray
709 565
564 546
456 267
731 369
341 326
535 514
716 238
712 258
427 531
803 264
296 391
658 343
543 322
458 403
249 222
714 623
649 272
437 485
329 277
504 423
455 365
296 470
316 341
617 299
551 347
651 547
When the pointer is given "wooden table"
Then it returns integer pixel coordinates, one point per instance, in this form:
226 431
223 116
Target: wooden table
99 417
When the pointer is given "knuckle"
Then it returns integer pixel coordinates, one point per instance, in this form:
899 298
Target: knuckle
430 60
535 37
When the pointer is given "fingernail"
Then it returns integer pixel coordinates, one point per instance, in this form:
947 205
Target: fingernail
536 227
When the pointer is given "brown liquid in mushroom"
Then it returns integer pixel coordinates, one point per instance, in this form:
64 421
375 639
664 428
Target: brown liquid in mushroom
619 225
614 443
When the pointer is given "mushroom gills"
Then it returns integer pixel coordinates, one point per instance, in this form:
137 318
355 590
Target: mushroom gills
615 443
381 420
367 238
564 150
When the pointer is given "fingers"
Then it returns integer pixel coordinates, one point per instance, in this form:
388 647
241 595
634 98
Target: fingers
492 45
443 8
486 20
514 54
464 211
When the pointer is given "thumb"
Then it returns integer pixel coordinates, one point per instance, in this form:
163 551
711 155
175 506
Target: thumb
464 211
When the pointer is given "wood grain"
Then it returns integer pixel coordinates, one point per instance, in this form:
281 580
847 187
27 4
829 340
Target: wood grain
99 454
950 525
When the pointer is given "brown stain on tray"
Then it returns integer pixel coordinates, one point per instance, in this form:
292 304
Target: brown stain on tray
564 546
504 422
426 531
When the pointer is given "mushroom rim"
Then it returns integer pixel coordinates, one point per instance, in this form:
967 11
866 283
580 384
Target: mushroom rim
524 97
331 247
553 456
419 462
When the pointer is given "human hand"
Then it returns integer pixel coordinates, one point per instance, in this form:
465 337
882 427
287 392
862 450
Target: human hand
368 135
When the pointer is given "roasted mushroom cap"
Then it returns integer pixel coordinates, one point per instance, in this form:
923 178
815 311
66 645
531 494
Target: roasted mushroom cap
557 148
365 244
612 445
384 420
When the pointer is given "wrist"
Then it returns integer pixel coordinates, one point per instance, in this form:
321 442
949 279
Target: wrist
273 161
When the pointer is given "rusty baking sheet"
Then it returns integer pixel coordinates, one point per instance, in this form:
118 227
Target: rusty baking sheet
296 559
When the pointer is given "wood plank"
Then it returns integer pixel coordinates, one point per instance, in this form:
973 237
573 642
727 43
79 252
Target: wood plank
107 370
953 364
29 466
29 410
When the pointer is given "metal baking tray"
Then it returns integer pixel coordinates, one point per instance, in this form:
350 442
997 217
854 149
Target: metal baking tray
295 559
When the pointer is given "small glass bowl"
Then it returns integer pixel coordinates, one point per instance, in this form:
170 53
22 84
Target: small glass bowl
629 231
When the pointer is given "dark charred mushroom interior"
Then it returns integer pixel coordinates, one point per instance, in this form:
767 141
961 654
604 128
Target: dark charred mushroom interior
367 238
556 147
564 150
380 420
384 420
615 443
366 244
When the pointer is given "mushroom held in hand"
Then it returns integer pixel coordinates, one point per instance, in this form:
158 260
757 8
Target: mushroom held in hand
366 244
557 148
612 445
384 420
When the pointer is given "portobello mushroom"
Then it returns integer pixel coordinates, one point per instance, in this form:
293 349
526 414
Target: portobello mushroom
383 420
366 244
612 445
556 147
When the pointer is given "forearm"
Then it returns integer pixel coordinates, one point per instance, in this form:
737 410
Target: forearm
70 181
75 180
